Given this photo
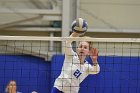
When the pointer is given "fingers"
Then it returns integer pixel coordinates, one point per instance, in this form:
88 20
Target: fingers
94 52
94 55
75 34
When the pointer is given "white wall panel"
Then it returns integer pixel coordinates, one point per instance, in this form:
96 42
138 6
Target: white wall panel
117 13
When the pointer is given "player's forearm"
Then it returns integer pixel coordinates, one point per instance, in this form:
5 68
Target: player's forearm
68 47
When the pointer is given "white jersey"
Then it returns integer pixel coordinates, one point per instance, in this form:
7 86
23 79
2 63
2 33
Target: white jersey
73 73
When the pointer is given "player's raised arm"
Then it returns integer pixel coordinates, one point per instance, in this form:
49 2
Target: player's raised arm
68 49
79 27
94 57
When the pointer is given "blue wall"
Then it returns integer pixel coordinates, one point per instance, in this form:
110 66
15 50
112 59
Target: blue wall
31 73
117 75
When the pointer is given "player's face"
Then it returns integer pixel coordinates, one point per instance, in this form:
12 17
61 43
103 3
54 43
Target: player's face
83 49
12 87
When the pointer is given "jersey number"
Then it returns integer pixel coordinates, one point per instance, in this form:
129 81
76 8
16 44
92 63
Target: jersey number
77 73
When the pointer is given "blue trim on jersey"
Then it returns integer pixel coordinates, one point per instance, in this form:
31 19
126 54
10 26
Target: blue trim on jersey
55 90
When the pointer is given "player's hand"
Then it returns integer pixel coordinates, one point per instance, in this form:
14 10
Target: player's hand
94 54
75 34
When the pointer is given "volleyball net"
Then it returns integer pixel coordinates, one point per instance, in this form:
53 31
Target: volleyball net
39 46
119 60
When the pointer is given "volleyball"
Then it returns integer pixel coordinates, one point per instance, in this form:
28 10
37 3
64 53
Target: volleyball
79 25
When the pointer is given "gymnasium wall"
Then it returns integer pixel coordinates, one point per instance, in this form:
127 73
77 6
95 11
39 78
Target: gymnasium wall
30 73
119 74
115 14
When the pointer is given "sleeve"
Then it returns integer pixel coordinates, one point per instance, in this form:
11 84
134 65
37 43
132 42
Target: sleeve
92 69
18 92
69 53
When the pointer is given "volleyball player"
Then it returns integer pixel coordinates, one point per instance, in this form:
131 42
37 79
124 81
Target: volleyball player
12 87
75 68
